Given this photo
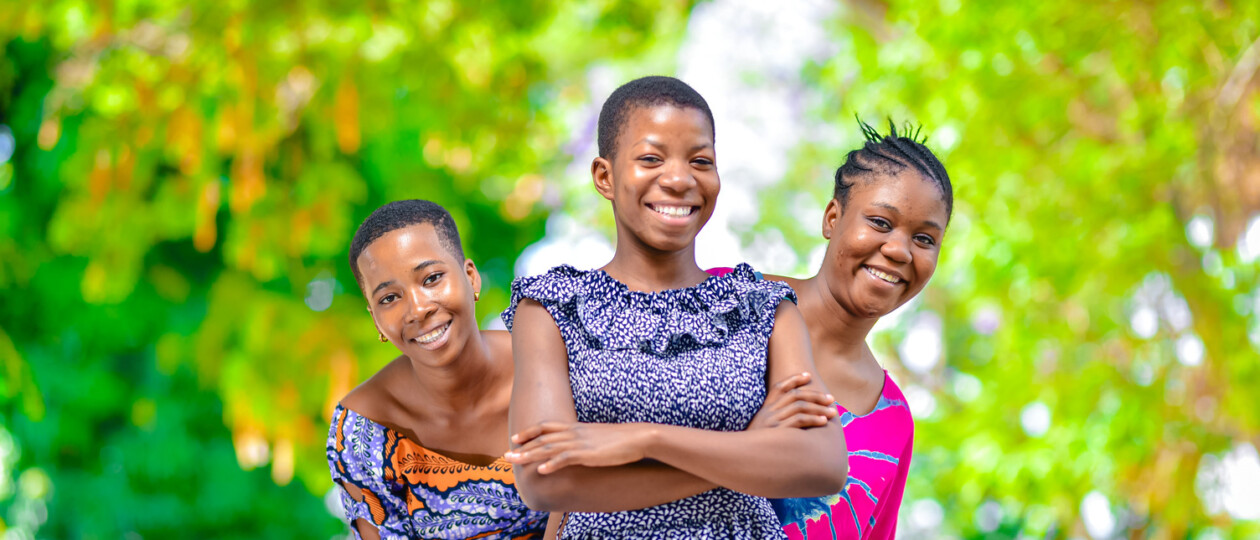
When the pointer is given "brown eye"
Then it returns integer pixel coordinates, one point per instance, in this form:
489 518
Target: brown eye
387 299
432 278
926 240
880 223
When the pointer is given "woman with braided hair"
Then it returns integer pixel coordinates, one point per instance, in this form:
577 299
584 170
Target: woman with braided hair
884 228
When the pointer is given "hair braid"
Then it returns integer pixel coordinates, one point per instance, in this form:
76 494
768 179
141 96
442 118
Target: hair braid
889 155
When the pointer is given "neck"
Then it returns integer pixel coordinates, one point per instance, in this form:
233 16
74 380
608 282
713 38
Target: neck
645 269
455 388
835 333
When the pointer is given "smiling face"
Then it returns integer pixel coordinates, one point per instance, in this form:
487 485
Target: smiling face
662 180
420 294
883 246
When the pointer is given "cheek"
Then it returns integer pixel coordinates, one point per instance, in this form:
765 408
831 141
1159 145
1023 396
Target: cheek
925 266
712 185
856 243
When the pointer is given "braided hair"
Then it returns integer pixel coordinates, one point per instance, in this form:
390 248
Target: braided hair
889 155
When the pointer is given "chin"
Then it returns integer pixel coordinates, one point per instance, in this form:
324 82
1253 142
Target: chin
672 244
875 310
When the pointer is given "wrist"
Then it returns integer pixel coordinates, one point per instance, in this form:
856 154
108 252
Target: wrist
649 440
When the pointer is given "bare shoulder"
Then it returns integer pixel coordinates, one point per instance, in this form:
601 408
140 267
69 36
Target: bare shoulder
791 281
500 344
374 398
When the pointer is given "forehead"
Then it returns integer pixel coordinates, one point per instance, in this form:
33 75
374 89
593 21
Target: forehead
402 248
664 119
913 194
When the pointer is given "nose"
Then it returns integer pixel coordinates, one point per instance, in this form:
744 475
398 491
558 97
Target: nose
676 176
897 249
421 305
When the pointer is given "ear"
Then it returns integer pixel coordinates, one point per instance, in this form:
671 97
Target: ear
830 217
601 176
474 277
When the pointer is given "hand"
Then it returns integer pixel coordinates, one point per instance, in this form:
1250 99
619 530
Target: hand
789 404
557 445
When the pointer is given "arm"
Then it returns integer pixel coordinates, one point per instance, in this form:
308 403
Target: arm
644 483
541 393
553 526
767 462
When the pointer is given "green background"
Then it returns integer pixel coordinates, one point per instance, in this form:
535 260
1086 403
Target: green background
177 317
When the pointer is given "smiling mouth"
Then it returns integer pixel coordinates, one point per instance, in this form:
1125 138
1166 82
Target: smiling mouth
673 211
889 278
433 336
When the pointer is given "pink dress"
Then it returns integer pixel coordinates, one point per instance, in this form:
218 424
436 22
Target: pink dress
880 444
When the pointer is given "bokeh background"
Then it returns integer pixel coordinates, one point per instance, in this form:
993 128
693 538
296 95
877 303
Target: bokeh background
179 182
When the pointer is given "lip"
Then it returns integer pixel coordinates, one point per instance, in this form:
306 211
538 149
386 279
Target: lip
901 280
437 342
674 219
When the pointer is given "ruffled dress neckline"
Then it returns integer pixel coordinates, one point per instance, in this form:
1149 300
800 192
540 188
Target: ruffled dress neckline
610 316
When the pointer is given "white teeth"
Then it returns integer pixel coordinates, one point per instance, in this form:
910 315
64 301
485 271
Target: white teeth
882 275
433 336
673 211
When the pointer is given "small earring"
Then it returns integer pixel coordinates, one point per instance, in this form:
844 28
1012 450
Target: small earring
476 296
381 337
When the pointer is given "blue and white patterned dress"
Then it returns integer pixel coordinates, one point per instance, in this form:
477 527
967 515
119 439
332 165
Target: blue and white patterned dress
693 357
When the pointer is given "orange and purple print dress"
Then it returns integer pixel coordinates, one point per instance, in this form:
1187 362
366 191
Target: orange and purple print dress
406 491
879 444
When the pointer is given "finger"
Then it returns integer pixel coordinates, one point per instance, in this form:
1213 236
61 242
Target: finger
823 401
815 396
804 421
791 382
559 461
543 441
805 407
539 454
786 398
535 430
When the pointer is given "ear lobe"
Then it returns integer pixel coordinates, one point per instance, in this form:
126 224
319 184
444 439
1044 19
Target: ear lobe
601 176
830 216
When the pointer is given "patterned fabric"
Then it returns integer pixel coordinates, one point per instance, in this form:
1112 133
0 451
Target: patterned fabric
407 491
692 357
880 444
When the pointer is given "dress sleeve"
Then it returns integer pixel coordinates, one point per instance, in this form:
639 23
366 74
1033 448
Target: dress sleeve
549 289
355 454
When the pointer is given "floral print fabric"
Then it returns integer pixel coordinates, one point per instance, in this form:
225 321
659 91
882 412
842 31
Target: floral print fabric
407 491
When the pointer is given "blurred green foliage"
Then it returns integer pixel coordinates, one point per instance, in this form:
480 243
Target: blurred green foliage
178 317
1082 138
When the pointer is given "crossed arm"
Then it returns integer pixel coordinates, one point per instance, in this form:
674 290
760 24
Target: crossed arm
564 465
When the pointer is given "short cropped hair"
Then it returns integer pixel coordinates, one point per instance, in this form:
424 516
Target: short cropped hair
399 214
644 92
889 155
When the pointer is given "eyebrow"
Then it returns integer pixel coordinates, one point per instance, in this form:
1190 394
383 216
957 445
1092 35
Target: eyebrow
655 144
897 211
418 268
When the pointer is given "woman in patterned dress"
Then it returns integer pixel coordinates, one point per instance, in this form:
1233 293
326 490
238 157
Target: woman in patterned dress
635 382
417 449
884 227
